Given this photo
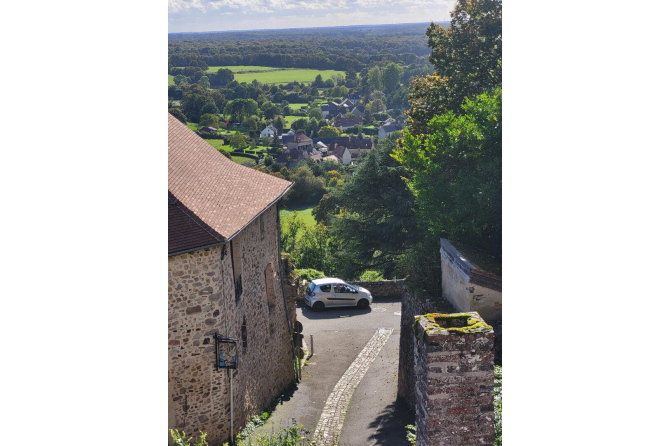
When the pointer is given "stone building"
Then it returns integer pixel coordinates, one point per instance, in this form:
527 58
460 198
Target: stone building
223 278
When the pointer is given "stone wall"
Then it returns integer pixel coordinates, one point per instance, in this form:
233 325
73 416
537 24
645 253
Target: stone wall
384 289
411 306
469 288
201 302
454 380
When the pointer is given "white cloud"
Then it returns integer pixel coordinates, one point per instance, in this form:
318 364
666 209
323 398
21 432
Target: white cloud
208 15
175 6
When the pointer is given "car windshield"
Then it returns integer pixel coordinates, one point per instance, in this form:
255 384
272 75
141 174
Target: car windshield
354 287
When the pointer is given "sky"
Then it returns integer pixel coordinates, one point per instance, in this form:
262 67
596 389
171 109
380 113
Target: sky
228 15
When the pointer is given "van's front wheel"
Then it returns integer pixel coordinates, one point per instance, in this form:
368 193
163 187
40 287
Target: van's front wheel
363 303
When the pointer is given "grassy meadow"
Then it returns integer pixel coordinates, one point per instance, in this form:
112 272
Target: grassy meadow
304 214
272 75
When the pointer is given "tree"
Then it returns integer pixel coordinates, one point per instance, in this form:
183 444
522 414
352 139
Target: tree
177 114
315 113
308 189
469 52
376 106
222 77
209 120
375 78
391 76
337 78
351 78
457 173
179 79
204 82
378 207
209 107
238 141
194 99
328 131
238 109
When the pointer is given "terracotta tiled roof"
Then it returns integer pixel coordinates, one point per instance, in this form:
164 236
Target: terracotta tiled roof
220 196
301 137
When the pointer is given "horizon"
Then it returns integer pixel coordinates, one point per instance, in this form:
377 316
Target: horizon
210 16
310 27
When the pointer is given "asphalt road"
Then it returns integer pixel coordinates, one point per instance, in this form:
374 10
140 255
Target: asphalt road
373 417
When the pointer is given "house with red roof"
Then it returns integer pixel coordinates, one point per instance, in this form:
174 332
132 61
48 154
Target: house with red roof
223 282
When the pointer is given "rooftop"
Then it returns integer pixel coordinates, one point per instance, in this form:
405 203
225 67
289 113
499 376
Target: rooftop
210 198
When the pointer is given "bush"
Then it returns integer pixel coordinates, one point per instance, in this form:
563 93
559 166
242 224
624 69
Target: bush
371 276
497 404
309 274
181 440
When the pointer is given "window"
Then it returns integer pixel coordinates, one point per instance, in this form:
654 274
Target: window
325 288
262 224
236 256
270 284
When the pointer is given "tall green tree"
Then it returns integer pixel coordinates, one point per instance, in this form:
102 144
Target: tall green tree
391 75
469 52
375 78
457 173
238 109
373 214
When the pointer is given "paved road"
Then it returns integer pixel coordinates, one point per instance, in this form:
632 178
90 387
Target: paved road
340 335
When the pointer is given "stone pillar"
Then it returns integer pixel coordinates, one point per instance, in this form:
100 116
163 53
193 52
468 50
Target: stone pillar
453 357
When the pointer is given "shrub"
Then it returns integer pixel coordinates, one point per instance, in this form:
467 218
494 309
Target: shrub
371 276
309 274
181 440
497 404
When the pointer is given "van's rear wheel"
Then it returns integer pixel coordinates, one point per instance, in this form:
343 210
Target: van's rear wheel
318 306
363 303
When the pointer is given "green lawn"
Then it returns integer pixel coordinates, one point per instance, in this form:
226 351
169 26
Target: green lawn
290 118
304 214
297 106
272 75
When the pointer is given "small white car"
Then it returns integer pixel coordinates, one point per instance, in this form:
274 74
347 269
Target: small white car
332 292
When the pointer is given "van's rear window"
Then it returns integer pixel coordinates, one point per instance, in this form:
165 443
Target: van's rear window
311 286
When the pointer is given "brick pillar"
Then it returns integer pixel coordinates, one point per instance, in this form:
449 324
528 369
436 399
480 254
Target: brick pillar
453 360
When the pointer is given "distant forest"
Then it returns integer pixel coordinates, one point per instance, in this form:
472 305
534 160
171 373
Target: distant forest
339 48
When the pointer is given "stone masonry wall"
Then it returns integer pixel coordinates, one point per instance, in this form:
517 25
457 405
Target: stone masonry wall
384 289
454 381
201 302
411 306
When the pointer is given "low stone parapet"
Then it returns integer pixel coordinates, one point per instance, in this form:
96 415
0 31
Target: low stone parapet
384 289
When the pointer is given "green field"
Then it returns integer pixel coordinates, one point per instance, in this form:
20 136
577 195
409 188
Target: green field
272 75
290 118
297 106
304 214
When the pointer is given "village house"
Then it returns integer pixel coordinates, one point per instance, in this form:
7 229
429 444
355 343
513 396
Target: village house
223 281
343 123
386 129
269 131
301 142
343 155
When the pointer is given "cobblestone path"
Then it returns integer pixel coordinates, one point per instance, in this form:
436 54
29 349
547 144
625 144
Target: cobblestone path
329 427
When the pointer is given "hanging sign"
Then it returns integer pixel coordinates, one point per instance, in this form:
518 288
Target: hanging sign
226 352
